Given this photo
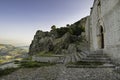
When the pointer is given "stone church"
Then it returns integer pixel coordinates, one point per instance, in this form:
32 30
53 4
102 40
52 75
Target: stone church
103 28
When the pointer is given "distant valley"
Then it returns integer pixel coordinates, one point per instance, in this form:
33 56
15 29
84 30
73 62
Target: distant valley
10 52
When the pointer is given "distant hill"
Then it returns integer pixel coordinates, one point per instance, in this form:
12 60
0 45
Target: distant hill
24 47
9 52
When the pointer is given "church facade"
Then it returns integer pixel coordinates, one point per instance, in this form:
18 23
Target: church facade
103 27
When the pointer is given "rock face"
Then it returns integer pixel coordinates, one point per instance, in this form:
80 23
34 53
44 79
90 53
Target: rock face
60 40
42 42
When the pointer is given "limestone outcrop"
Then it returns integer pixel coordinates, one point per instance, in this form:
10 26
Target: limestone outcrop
62 40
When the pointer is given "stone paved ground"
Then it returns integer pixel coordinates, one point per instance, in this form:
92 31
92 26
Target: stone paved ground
60 72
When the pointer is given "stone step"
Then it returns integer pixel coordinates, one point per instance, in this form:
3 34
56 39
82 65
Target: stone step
67 59
77 58
104 61
82 54
61 60
91 58
96 59
99 51
70 58
91 66
73 58
97 56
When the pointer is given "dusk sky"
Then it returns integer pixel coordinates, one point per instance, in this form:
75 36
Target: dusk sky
20 19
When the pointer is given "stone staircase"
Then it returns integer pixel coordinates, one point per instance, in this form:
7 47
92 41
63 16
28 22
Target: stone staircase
96 59
72 58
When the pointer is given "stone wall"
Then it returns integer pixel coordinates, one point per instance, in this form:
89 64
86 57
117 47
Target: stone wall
105 27
111 17
87 28
53 59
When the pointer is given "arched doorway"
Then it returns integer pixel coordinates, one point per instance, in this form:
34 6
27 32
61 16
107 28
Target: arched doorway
102 37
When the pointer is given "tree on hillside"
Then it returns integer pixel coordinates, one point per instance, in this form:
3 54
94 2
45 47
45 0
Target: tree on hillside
67 25
53 27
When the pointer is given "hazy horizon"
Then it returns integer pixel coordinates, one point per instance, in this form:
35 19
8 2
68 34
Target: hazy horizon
20 19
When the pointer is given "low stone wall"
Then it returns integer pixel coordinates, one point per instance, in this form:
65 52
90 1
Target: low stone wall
46 59
8 65
114 52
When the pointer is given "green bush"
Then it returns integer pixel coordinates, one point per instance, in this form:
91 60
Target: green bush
32 64
7 71
28 58
61 31
76 30
86 63
53 27
45 54
1 61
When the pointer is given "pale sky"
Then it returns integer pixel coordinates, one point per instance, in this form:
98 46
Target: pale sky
20 19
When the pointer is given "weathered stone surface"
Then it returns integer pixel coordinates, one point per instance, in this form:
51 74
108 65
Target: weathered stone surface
72 49
56 43
104 27
61 43
60 72
45 59
41 42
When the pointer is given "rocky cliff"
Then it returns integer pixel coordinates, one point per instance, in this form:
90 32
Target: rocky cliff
64 40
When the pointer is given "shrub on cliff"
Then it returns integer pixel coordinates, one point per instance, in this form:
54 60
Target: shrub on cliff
53 27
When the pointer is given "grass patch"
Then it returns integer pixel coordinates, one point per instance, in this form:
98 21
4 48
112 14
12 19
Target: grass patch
86 63
45 54
33 64
2 61
28 58
7 71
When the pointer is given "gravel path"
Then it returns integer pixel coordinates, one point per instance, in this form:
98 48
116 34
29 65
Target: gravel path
60 72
